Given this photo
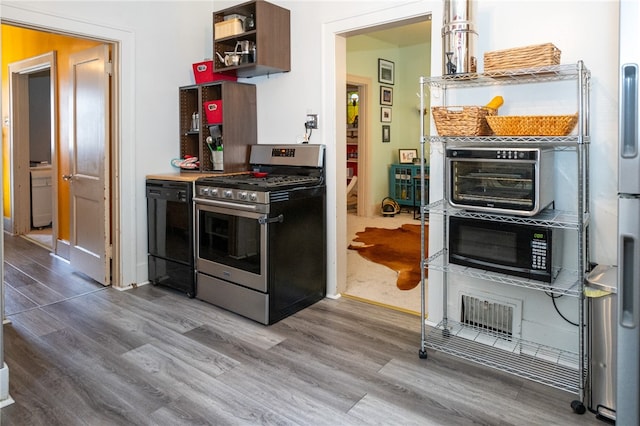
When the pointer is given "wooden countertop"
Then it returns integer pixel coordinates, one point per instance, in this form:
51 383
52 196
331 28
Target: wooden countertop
189 176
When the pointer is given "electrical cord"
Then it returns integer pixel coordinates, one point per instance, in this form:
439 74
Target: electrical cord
553 300
307 137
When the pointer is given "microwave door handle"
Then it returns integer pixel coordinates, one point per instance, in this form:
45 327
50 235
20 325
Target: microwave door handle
266 220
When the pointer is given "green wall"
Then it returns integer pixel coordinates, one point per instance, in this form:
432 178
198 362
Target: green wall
410 63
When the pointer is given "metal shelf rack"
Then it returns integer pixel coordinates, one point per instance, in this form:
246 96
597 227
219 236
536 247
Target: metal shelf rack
534 361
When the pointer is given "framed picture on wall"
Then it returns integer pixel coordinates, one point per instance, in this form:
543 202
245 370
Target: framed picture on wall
385 115
386 95
386 71
386 133
406 156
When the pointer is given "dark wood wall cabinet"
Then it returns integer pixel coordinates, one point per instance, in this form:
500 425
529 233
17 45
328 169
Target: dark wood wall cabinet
231 107
252 39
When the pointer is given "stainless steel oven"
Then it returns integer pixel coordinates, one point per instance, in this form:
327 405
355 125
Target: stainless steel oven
516 181
261 237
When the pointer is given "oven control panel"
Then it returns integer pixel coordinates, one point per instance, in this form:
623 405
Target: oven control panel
212 192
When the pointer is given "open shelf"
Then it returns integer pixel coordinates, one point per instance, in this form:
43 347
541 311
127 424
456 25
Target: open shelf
533 361
510 141
567 281
519 76
554 367
551 218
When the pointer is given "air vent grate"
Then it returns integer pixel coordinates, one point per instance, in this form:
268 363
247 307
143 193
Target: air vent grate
487 315
278 196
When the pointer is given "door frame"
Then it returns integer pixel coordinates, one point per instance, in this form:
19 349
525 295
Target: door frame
123 219
364 162
334 53
19 72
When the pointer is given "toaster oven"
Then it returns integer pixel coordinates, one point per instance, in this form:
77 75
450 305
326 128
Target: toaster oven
516 181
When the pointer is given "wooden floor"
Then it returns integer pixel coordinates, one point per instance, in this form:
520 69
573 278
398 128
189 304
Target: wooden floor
81 354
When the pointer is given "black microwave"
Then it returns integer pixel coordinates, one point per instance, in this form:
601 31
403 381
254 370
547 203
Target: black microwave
517 249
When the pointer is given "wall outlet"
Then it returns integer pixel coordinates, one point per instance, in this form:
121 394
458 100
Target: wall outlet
312 121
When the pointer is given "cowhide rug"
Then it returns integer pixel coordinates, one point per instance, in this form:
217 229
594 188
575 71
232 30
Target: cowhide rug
398 249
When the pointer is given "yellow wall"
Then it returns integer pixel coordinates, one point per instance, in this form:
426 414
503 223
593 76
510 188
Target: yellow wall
19 44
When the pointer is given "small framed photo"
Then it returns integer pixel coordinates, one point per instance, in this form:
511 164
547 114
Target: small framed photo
386 95
386 133
406 156
385 71
385 115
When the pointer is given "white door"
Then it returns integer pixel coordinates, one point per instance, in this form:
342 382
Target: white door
90 239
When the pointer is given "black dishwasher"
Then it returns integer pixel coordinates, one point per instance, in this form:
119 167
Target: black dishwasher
170 234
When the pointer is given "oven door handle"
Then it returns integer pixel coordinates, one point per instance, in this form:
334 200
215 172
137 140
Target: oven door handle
227 204
265 219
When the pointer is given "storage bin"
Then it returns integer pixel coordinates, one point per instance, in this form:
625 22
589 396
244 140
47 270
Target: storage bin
462 120
532 125
522 57
227 28
203 73
213 111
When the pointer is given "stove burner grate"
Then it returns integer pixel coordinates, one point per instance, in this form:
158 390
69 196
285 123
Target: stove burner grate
261 182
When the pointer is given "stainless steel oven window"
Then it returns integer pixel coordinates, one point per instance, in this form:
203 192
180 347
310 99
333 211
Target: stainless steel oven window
232 245
230 240
510 183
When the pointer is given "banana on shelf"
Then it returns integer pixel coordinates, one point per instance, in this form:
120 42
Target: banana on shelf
495 103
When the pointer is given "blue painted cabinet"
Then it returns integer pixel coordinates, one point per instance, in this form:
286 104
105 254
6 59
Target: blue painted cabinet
404 184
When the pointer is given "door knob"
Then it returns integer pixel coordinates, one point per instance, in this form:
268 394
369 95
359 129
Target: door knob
67 177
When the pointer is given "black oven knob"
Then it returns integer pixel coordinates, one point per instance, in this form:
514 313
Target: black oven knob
228 194
242 195
253 196
213 192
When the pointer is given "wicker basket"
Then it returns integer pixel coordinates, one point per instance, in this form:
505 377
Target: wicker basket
522 57
533 125
462 120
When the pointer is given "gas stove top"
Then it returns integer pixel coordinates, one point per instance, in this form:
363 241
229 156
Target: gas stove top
270 182
286 168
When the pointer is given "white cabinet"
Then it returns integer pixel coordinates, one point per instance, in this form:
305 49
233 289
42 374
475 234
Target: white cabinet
539 361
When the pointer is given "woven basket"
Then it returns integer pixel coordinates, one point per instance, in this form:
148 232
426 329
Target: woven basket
533 125
522 57
462 120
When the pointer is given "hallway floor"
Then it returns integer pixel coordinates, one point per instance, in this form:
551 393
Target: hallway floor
372 282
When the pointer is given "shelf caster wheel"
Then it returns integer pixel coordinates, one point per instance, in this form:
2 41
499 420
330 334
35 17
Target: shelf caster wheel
446 332
578 407
190 295
422 353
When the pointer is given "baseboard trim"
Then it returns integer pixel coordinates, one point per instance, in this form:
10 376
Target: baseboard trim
5 398
384 305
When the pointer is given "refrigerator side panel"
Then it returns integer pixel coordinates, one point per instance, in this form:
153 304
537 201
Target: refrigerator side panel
628 348
629 86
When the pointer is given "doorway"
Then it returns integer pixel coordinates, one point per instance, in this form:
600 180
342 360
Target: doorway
48 153
33 147
405 41
357 141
